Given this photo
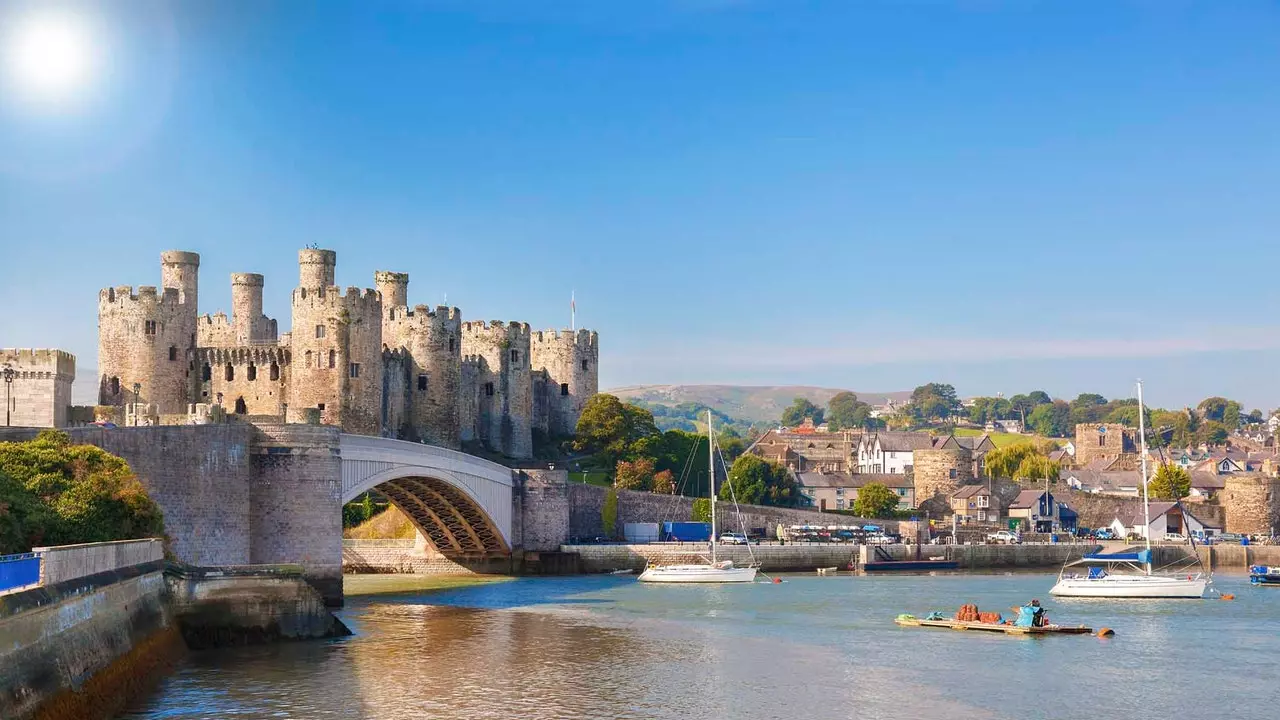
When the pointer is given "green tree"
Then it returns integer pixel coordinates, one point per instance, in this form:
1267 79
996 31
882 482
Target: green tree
1232 414
609 513
935 402
756 481
1037 467
1170 482
1052 420
875 500
846 411
634 474
1212 432
612 430
701 510
1004 462
800 409
59 493
1088 408
1212 408
989 409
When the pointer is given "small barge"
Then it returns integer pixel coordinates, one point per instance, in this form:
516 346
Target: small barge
909 565
1264 575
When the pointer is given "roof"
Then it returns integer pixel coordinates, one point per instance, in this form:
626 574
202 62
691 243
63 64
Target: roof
968 491
1026 500
826 480
893 480
1208 481
981 443
904 441
1059 455
1104 480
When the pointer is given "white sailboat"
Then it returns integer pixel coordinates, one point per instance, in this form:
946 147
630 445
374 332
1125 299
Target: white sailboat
1129 574
715 571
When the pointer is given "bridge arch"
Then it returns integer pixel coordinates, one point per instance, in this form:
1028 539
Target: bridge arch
461 503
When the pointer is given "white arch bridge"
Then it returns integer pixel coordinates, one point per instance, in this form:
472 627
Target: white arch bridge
460 502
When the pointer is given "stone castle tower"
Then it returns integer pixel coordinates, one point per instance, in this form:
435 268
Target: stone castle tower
1251 503
364 360
1095 441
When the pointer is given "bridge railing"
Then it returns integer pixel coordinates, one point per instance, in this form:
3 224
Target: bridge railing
368 442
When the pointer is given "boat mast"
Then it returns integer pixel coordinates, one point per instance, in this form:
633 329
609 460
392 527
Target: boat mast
711 482
1146 500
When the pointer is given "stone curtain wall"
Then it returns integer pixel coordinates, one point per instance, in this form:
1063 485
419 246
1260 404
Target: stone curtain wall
587 501
543 517
1252 504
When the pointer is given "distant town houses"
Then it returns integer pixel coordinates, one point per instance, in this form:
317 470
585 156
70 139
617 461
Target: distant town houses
1039 511
1165 518
891 453
975 504
839 490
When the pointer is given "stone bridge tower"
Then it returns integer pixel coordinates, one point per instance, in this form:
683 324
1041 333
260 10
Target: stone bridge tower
146 340
335 349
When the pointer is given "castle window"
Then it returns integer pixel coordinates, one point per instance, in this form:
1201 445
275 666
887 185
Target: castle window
584 366
1102 440
564 388
488 389
173 353
952 473
206 373
355 370
320 407
229 373
240 406
275 371
515 356
149 327
451 344
114 386
422 383
333 359
319 331
308 357
252 373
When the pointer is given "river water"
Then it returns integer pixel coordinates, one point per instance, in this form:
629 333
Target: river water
604 647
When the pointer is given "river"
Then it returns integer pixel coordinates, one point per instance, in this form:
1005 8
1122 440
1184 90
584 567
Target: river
602 647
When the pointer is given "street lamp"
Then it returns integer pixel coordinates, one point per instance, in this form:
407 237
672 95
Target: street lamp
8 384
137 389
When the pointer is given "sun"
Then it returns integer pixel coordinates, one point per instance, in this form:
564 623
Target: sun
49 57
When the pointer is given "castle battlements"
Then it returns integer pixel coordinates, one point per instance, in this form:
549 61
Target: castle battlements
243 355
336 296
123 295
480 328
583 338
39 362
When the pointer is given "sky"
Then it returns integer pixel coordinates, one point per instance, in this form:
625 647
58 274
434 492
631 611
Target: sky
1003 196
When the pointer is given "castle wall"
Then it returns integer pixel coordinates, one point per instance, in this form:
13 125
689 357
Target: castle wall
938 473
336 351
40 393
433 343
145 338
396 365
1103 440
252 380
504 392
1251 503
215 330
572 363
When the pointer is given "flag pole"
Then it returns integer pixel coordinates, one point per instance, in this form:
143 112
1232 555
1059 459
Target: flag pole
573 311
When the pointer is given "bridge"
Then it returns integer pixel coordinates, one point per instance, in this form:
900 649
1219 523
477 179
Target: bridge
460 502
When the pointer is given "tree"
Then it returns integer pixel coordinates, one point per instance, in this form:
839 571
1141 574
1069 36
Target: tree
756 481
634 474
1004 462
1231 415
1255 417
875 500
612 430
800 409
1212 408
1052 420
1037 467
1088 408
989 409
846 411
58 493
609 513
664 483
701 510
935 401
1212 432
1170 482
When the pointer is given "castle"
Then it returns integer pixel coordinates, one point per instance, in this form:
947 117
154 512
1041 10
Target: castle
364 360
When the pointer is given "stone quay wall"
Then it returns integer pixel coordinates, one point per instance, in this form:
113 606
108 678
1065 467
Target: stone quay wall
772 558
72 562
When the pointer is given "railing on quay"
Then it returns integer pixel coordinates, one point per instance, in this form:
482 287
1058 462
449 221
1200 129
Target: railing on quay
18 571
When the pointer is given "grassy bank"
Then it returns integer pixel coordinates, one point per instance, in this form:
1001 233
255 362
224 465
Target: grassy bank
1001 439
388 584
592 477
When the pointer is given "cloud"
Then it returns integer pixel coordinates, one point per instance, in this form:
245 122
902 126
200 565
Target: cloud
962 350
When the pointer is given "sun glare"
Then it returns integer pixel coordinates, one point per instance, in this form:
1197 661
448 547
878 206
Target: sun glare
49 57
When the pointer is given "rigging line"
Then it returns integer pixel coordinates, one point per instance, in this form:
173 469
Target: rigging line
734 496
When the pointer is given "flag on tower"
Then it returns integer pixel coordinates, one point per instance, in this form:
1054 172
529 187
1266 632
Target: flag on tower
573 310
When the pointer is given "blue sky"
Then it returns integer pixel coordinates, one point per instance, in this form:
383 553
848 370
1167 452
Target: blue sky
999 195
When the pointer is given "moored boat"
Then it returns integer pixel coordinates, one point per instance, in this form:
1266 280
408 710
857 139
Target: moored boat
1264 575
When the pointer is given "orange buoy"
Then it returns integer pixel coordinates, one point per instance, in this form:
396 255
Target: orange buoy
1106 632
1228 597
777 581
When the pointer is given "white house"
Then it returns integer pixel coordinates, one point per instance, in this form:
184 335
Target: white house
1119 483
891 452
1166 517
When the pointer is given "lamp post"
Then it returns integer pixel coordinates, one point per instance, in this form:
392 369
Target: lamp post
8 384
137 389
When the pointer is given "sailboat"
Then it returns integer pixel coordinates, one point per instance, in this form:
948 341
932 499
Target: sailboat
715 571
1129 574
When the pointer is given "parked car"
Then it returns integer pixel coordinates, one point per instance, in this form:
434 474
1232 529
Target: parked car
1004 537
1103 534
1228 537
733 538
1175 537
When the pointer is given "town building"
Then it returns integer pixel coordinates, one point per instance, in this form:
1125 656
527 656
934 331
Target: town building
891 452
804 450
364 360
36 387
1039 511
1110 441
1166 517
975 503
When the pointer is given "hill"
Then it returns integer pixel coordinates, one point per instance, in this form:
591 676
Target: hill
748 403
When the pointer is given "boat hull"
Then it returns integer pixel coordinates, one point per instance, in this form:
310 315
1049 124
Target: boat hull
1125 586
910 565
990 627
697 574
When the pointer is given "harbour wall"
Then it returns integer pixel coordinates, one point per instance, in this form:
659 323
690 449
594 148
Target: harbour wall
772 558
84 645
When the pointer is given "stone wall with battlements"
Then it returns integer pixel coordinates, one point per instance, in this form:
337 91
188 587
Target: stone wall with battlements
502 386
336 351
1104 440
432 340
571 362
39 391
248 380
